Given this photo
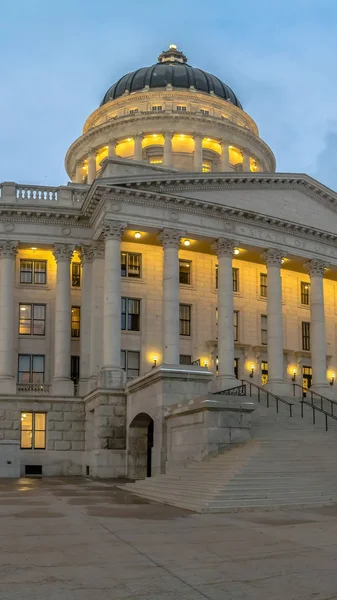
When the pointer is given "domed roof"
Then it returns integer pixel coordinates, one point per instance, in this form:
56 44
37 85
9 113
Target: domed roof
171 70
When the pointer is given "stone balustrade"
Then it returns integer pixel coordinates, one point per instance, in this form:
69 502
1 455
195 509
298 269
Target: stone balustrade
13 193
33 388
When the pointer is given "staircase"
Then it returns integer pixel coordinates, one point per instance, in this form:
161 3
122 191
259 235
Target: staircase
289 462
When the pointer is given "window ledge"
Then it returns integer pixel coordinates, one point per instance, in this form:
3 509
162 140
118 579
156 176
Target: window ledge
187 286
132 280
130 331
33 286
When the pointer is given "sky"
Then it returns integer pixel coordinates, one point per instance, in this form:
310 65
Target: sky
58 58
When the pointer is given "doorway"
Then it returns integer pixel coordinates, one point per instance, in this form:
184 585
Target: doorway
306 379
140 444
264 372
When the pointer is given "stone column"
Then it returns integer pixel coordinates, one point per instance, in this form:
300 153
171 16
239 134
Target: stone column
8 252
246 164
112 375
112 148
138 146
96 320
91 167
225 168
276 382
224 249
170 239
87 255
62 384
79 172
316 269
197 157
168 156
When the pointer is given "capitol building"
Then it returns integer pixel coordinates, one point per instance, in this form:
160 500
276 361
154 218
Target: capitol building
175 264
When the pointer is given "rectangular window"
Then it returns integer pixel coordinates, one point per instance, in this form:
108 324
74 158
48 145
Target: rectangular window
264 330
204 112
31 368
305 293
305 335
32 319
157 108
207 166
235 273
185 319
75 321
131 265
76 274
130 315
185 272
156 160
236 325
263 285
133 111
33 271
75 369
264 372
33 430
130 361
185 359
181 108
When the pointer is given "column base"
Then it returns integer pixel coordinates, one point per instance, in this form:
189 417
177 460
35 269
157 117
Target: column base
112 378
279 388
224 382
62 387
324 389
7 385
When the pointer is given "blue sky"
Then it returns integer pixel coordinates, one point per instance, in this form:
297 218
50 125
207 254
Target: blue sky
59 58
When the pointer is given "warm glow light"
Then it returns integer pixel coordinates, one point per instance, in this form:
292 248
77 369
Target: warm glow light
129 139
138 235
206 363
236 251
24 415
187 243
282 261
333 375
208 139
22 308
154 135
155 357
252 367
182 135
33 248
294 371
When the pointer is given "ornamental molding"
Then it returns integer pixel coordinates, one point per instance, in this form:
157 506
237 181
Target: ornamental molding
113 230
224 247
8 249
273 257
86 254
315 268
170 238
63 252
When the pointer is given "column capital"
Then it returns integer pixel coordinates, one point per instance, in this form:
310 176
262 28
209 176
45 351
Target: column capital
170 238
113 230
98 250
197 135
138 135
168 134
63 252
8 249
273 257
224 247
112 141
315 267
86 254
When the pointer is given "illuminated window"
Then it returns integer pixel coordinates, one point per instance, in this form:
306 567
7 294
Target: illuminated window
181 108
185 359
131 265
31 368
133 111
206 166
32 319
130 315
185 319
264 330
264 372
305 293
157 108
305 336
76 274
204 112
236 325
33 271
185 272
306 378
33 430
156 160
130 361
263 285
75 321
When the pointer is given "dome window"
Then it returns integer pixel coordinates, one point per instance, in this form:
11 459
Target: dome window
204 112
157 108
181 108
207 166
156 160
133 111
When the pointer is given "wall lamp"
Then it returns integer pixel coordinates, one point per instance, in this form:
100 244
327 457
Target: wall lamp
252 368
332 380
155 358
294 375
206 363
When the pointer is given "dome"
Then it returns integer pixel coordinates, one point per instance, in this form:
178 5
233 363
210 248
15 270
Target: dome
171 70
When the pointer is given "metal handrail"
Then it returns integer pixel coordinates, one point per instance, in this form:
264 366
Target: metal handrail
239 390
321 410
268 394
312 394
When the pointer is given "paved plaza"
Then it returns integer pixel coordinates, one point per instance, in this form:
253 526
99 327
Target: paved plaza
83 540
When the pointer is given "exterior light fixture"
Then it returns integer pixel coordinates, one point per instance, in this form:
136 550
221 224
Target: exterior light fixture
294 375
173 47
282 261
332 381
155 358
187 243
22 308
33 248
236 251
206 363
252 368
128 140
138 235
154 135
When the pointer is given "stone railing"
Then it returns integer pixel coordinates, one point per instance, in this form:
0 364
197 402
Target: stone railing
14 193
33 388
